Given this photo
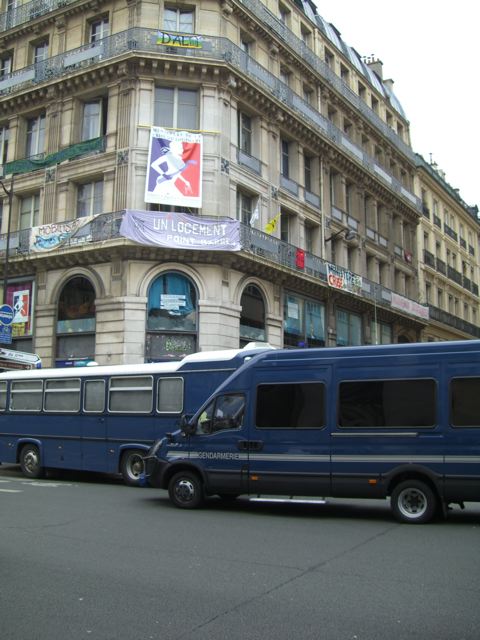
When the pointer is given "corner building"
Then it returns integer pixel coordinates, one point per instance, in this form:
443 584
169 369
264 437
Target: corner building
298 131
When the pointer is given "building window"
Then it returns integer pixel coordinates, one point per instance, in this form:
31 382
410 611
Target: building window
245 133
90 199
381 333
176 108
175 19
172 318
4 136
40 51
285 159
29 211
349 328
6 63
252 317
308 172
303 322
94 119
35 136
99 29
244 207
76 322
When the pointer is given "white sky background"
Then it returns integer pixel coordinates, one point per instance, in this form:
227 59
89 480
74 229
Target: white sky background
430 49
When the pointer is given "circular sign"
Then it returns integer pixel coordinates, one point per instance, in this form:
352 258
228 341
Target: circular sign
6 314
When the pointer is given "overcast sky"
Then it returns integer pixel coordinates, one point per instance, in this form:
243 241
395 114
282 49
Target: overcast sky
429 49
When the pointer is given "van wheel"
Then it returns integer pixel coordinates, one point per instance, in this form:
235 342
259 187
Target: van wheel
413 501
131 466
185 490
30 462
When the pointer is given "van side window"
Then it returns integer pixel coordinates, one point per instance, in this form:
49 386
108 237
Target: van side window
465 402
130 394
290 406
26 395
94 396
170 395
225 412
387 403
3 395
62 395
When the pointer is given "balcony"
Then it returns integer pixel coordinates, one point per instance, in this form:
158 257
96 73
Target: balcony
454 275
139 40
437 221
429 258
106 227
450 232
249 161
289 185
441 266
425 211
453 321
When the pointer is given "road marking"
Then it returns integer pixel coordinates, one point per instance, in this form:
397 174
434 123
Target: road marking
11 491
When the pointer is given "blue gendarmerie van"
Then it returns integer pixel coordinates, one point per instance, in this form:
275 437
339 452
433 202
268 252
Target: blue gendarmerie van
397 421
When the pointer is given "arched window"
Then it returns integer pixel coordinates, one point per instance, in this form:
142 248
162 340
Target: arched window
171 318
76 322
252 318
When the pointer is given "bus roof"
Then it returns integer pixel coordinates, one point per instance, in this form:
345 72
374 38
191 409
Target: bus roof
190 362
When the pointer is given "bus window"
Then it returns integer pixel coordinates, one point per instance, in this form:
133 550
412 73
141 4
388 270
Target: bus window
26 395
170 395
130 394
62 395
290 406
465 402
3 395
387 403
94 396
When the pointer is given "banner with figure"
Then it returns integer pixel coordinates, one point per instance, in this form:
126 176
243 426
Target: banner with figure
174 171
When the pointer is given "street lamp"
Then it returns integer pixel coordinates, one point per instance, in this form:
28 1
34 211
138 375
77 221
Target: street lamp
349 235
9 194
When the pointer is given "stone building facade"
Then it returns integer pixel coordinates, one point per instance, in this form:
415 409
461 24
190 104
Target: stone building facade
297 130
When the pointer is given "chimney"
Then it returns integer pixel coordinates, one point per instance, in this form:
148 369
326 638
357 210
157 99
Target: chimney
376 65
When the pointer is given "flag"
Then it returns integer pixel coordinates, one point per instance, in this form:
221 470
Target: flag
271 226
255 216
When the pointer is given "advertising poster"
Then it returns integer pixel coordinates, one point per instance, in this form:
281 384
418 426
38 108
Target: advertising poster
174 171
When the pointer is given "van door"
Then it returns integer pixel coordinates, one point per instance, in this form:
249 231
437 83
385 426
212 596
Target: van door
218 446
387 424
289 450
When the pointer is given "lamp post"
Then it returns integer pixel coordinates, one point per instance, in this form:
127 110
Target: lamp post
9 194
349 235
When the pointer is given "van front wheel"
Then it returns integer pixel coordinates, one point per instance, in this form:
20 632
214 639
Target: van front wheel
185 490
413 501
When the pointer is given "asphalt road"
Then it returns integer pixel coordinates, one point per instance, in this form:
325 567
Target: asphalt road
85 557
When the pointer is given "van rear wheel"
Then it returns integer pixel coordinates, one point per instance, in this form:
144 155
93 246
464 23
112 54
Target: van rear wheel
413 501
186 490
30 462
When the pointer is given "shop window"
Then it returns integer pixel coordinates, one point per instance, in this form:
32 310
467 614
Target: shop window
349 329
171 318
252 317
303 322
76 322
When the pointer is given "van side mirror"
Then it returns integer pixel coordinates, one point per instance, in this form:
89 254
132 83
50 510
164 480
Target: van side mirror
185 424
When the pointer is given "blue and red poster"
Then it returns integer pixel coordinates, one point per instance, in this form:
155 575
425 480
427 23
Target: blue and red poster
174 171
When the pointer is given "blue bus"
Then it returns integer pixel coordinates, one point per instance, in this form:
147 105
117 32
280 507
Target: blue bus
104 418
392 421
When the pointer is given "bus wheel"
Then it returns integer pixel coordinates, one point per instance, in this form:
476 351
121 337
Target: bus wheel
185 490
30 462
413 501
131 466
